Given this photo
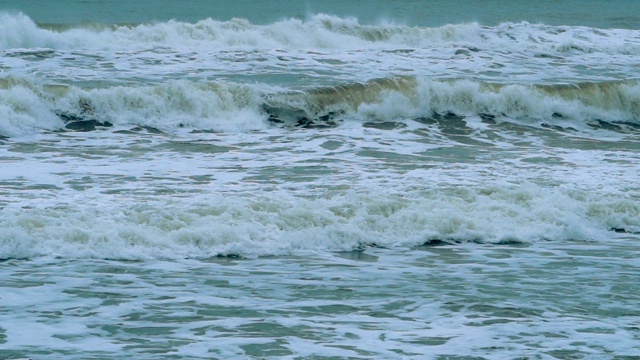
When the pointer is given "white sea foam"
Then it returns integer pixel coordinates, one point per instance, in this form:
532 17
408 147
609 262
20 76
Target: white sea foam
387 99
583 102
455 301
23 112
320 32
317 32
28 107
283 224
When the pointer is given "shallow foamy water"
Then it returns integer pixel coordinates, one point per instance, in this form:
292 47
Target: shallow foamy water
549 300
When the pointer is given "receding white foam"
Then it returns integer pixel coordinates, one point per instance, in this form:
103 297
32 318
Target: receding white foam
208 225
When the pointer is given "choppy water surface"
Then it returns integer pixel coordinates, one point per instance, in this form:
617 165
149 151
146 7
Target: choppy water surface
320 184
547 300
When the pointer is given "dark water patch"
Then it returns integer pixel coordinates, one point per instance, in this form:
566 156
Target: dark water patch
230 256
434 243
512 242
446 117
504 311
15 259
331 309
597 330
203 147
322 122
392 159
87 125
426 120
204 131
20 186
558 128
399 51
455 127
490 322
108 298
364 246
271 349
31 55
628 124
568 354
488 118
548 56
332 144
431 341
226 312
147 129
604 125
84 121
625 357
386 125
624 231
141 129
301 118
357 255
150 330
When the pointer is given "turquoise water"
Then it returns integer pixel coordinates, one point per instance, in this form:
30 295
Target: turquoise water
602 14
313 180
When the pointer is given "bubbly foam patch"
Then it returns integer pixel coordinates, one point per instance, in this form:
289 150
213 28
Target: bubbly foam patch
206 226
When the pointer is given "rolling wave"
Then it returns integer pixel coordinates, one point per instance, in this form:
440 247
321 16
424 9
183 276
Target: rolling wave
409 97
283 224
29 107
319 31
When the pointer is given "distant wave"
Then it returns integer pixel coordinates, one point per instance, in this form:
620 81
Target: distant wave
317 32
27 107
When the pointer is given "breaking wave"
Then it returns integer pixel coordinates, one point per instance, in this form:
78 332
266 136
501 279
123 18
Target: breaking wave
285 224
319 31
408 97
27 107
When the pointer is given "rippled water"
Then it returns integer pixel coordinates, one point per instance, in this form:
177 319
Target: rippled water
549 300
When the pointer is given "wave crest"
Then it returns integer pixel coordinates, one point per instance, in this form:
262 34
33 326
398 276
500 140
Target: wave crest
319 31
285 224
408 97
223 106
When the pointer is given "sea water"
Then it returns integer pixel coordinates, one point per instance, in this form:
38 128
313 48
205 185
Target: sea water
320 179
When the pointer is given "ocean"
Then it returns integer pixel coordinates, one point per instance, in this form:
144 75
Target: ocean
319 179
